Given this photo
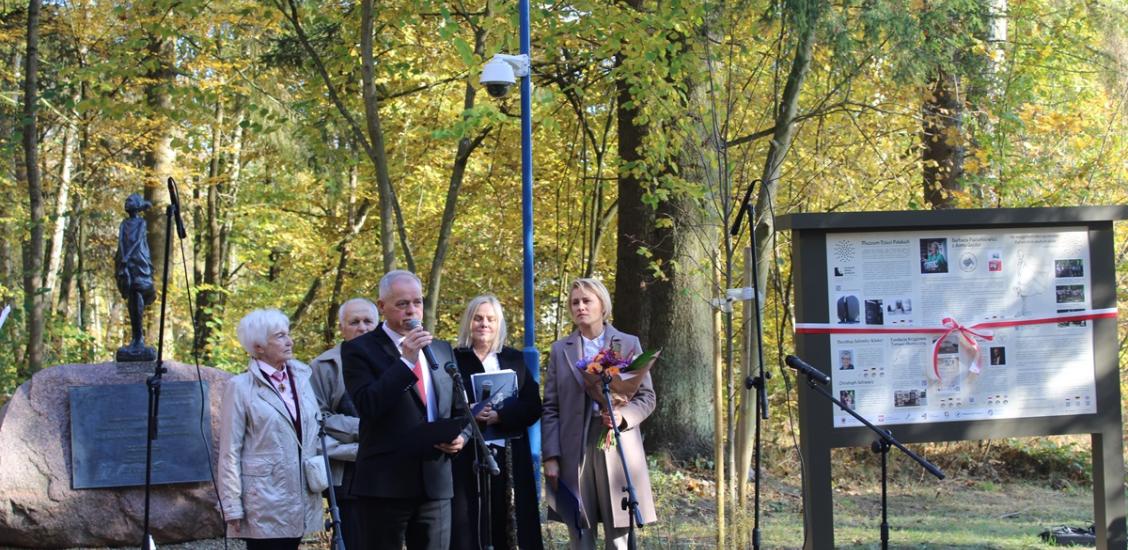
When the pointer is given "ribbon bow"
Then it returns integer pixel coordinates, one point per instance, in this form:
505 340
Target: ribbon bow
969 335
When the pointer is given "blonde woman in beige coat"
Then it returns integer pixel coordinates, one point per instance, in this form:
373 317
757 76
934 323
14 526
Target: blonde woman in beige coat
571 428
268 429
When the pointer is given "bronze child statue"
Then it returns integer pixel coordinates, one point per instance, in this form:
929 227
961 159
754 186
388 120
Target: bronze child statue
134 273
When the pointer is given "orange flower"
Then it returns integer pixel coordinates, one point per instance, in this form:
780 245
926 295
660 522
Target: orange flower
613 371
594 368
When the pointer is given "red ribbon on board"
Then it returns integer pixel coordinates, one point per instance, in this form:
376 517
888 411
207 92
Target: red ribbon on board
948 325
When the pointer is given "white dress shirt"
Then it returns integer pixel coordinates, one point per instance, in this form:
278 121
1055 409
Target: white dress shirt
592 347
432 403
490 364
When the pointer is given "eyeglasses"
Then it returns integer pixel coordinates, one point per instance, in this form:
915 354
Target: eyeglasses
404 305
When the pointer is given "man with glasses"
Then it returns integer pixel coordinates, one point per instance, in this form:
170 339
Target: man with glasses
404 494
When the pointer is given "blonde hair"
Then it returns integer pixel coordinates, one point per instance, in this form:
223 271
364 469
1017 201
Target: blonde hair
594 286
465 331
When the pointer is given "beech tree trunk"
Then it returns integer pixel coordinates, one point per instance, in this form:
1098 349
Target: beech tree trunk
70 260
158 163
942 146
234 184
210 297
671 311
373 141
62 195
376 135
8 120
681 323
764 224
329 330
633 296
33 247
466 147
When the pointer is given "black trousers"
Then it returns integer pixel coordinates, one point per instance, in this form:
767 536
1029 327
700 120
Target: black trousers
273 544
350 524
387 523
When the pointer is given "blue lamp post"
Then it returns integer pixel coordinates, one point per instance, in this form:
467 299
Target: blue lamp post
498 74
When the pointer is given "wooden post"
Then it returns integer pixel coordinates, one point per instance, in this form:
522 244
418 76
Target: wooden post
718 429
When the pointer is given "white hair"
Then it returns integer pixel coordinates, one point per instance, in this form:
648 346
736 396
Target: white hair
465 331
354 301
257 326
392 277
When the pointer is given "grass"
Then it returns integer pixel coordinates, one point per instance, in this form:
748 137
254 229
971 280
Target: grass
952 514
998 496
955 514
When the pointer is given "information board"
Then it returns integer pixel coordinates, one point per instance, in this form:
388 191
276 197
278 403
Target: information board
956 325
959 324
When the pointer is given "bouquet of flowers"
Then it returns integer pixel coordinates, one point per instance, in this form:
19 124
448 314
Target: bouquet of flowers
624 375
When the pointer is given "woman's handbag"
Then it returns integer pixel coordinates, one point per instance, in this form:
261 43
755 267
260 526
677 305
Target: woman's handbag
317 479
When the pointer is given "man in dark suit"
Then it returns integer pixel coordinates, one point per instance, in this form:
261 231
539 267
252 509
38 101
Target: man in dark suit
403 496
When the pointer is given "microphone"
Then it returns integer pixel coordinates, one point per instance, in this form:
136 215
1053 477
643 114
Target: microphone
174 201
802 366
744 203
412 324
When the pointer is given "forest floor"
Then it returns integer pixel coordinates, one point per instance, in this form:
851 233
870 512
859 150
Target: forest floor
995 497
957 513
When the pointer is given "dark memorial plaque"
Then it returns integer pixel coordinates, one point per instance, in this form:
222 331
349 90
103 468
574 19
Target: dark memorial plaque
108 437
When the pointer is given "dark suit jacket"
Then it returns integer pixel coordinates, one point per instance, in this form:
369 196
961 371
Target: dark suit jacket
382 389
515 415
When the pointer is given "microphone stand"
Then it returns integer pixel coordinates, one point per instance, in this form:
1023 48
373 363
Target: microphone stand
334 521
630 502
172 216
760 380
172 212
881 446
490 464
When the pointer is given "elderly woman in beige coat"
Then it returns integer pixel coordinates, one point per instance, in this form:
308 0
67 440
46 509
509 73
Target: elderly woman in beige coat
572 427
267 431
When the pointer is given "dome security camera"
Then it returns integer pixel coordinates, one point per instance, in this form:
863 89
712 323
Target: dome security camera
501 72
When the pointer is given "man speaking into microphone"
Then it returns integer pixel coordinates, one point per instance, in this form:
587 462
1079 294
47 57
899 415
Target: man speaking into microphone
403 493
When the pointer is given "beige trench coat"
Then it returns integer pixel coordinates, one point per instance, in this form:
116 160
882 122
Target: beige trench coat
343 430
260 476
567 413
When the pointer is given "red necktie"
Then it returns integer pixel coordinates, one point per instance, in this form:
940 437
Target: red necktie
419 385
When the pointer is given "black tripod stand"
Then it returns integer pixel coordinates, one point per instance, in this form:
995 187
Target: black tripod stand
816 380
630 502
172 216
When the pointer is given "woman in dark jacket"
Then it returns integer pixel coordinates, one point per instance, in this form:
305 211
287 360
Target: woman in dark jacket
512 494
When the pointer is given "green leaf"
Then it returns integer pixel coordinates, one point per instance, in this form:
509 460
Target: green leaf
464 51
